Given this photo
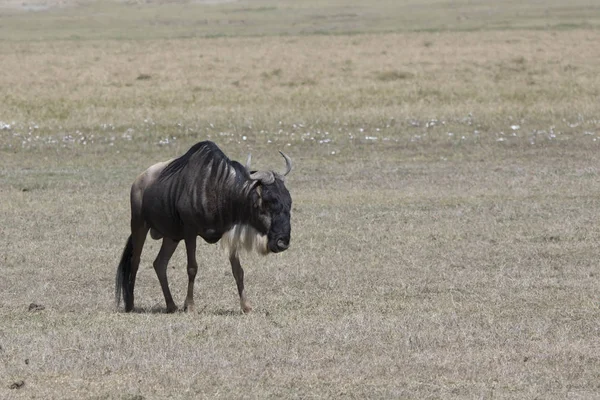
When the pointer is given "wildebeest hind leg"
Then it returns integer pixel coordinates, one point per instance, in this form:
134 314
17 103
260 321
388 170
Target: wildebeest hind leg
192 269
160 266
138 237
238 274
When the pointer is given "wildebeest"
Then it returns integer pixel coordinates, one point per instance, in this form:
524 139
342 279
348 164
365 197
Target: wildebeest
204 193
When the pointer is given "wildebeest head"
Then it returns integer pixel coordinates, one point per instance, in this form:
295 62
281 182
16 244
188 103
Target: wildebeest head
272 204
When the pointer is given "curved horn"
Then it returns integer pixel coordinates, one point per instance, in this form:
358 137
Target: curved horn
248 161
265 177
288 163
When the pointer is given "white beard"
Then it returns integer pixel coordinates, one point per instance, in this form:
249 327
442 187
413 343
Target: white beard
244 237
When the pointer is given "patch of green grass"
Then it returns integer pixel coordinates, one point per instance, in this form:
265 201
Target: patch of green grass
254 9
164 19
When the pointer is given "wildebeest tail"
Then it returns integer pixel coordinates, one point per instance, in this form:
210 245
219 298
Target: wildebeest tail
123 273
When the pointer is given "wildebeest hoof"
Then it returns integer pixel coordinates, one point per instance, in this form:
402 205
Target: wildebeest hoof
246 308
189 308
171 309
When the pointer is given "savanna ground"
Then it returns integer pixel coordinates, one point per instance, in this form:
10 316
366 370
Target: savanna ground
446 198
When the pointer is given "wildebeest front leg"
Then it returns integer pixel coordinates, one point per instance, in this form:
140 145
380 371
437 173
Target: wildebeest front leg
238 274
160 266
192 269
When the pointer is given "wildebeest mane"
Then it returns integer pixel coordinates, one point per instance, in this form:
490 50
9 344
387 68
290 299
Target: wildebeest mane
205 162
180 163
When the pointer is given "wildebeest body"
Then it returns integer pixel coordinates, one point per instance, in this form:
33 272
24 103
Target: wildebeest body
204 193
207 195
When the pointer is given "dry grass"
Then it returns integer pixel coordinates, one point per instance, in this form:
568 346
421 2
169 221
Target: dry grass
484 82
445 224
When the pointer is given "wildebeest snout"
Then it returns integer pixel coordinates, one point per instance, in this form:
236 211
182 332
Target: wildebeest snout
279 244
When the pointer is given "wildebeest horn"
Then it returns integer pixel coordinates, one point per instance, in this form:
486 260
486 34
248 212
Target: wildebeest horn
265 177
248 161
288 163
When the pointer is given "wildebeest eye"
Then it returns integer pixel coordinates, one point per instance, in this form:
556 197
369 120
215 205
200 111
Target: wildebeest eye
274 207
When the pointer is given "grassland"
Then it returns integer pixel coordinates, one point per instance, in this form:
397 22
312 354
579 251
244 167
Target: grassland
445 224
160 19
